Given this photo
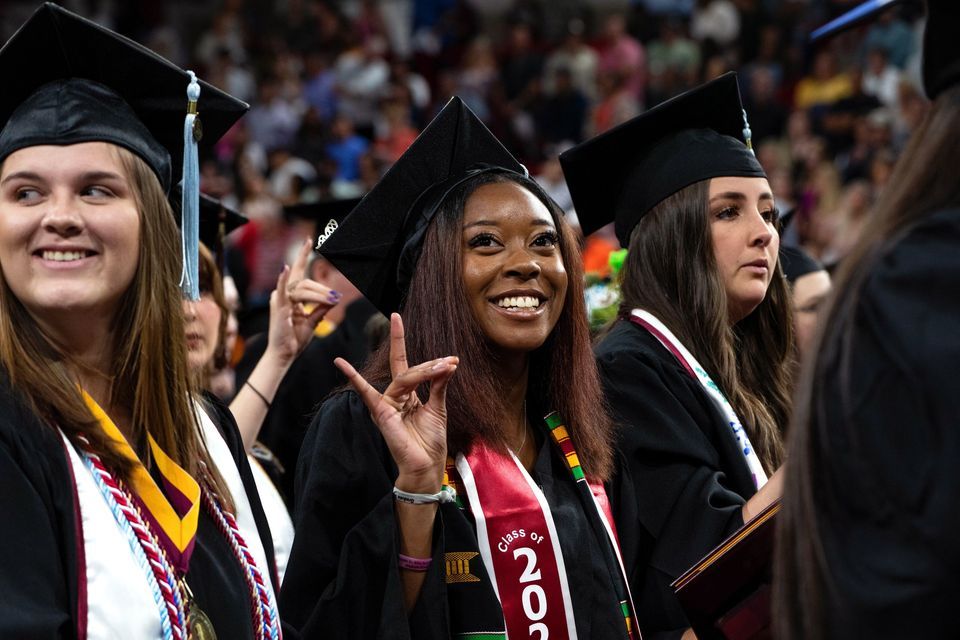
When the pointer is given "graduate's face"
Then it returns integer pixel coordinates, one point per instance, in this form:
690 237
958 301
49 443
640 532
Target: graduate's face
745 240
202 329
69 230
809 291
513 272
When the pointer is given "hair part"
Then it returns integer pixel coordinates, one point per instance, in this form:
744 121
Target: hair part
749 360
562 374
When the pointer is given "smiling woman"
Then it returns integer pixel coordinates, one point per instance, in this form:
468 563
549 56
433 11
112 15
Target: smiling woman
134 505
69 237
434 495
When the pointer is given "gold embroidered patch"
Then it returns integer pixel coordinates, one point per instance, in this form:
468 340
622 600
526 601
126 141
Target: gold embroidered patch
458 567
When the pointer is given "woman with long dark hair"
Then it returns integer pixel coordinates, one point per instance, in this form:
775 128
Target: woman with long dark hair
695 370
131 512
867 534
433 502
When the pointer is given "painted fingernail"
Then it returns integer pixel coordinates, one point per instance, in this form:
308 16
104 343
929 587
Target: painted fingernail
333 297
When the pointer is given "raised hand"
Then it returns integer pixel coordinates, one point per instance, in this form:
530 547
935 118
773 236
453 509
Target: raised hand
416 433
291 326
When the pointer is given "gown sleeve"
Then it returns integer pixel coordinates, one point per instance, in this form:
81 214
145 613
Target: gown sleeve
38 574
342 580
670 439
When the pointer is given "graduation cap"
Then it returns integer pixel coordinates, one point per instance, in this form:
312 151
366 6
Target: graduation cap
326 215
796 263
941 48
377 245
620 175
67 80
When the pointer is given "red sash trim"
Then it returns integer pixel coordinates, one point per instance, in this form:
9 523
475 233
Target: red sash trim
519 545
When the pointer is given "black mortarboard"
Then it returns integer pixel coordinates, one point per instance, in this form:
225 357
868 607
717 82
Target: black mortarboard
377 245
326 215
620 175
941 48
68 80
796 262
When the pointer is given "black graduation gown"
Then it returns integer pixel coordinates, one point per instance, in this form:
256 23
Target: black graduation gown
342 580
39 563
889 449
310 379
690 478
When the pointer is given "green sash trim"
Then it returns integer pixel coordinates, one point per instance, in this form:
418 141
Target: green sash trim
482 635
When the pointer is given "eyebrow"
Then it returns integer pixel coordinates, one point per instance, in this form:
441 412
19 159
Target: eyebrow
736 195
90 176
539 222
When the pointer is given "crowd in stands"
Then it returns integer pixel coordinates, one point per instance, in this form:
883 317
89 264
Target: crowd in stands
338 90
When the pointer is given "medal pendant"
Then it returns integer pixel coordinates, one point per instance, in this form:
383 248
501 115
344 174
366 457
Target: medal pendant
198 624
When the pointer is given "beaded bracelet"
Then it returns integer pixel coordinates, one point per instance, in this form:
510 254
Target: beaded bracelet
413 564
445 494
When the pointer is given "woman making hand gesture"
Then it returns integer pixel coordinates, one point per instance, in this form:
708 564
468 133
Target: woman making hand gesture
432 500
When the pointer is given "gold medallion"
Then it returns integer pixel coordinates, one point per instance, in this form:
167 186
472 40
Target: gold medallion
199 626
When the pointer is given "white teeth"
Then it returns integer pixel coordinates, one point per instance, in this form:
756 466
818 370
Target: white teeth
63 256
520 302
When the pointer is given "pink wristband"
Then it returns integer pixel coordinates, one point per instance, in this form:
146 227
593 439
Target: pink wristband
414 564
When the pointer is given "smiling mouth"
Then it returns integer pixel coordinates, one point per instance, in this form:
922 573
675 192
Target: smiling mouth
64 256
519 303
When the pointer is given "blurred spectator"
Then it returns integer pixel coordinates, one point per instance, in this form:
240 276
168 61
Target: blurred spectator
362 75
716 21
824 85
414 86
617 104
345 149
477 73
521 63
673 62
320 86
550 178
622 55
225 33
273 121
892 35
577 58
768 118
881 79
395 132
397 19
841 227
263 245
565 111
289 175
233 78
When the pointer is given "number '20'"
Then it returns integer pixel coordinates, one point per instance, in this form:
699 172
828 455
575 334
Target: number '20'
533 597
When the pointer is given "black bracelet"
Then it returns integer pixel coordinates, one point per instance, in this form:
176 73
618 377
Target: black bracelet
262 397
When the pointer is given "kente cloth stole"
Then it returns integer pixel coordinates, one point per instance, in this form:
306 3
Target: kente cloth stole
518 540
670 342
172 512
